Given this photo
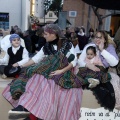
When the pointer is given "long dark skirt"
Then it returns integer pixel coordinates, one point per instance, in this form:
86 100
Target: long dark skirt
103 76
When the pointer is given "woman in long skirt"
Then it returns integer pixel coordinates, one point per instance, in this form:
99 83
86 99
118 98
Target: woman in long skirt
43 97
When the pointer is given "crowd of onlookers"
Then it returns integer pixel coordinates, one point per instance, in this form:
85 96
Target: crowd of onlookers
34 40
49 85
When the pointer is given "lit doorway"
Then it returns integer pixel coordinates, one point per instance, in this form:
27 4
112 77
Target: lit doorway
32 9
115 23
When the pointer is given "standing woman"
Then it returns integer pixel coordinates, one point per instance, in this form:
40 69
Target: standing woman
82 38
43 97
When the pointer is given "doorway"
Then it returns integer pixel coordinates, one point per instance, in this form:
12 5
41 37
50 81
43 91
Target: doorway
115 24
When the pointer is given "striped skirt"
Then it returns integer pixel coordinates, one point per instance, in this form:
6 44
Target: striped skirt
48 101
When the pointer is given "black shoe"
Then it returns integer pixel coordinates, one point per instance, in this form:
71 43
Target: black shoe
18 112
27 118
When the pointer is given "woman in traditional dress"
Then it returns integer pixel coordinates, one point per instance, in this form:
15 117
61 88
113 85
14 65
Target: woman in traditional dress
42 96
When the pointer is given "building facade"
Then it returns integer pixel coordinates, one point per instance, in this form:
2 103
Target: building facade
50 17
37 8
81 14
17 12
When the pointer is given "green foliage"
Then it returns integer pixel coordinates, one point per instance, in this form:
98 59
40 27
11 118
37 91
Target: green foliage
53 5
47 4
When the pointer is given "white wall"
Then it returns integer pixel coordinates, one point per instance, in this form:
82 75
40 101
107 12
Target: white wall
25 14
18 10
40 11
13 7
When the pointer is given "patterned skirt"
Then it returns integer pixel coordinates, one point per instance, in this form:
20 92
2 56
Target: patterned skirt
49 64
47 100
103 76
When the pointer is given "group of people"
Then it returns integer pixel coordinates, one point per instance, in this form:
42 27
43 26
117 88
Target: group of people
50 87
79 34
33 39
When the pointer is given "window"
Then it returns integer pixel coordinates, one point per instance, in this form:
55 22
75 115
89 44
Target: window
50 14
72 13
4 20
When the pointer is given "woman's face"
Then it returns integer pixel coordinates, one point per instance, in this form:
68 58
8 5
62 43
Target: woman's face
49 37
91 33
99 38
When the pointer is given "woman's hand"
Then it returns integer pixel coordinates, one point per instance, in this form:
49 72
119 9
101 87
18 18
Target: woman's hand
101 46
92 67
57 72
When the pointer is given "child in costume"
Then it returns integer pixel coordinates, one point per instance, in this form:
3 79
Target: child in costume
16 57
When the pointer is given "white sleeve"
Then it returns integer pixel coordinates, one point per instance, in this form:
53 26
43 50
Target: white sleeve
81 59
74 62
25 57
39 56
109 58
4 61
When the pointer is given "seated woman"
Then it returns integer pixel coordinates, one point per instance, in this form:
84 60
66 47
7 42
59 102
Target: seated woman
90 77
43 97
104 92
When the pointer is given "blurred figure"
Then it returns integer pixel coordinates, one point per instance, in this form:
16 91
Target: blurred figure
67 35
64 32
77 30
34 40
12 30
41 40
19 32
27 41
91 35
15 27
1 32
82 38
73 37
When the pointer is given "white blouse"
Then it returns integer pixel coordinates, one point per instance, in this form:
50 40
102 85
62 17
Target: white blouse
40 55
109 57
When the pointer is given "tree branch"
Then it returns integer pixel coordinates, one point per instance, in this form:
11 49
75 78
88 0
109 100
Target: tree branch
95 9
114 13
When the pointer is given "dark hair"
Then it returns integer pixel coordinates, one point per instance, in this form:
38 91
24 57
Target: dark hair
91 30
83 29
40 32
91 48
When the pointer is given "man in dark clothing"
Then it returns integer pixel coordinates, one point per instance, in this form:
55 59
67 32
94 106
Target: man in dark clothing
41 43
34 40
41 40
27 41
